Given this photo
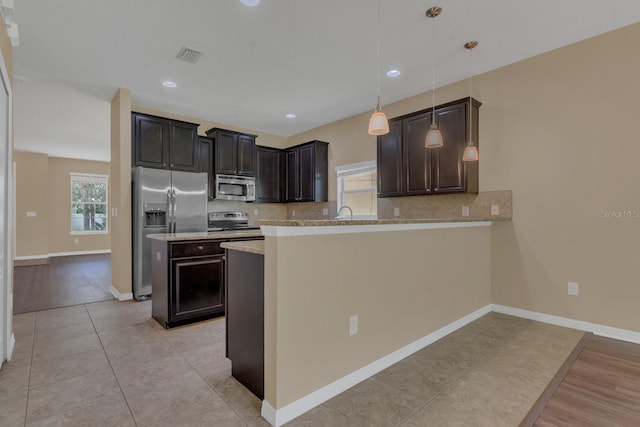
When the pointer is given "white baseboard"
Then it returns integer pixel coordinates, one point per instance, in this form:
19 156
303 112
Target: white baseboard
278 417
597 329
30 257
11 346
121 297
55 254
99 251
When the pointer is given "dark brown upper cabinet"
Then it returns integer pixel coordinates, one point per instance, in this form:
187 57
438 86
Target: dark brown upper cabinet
269 174
306 168
206 164
163 143
407 168
234 152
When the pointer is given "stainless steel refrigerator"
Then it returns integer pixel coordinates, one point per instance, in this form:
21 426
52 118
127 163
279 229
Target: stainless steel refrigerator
163 202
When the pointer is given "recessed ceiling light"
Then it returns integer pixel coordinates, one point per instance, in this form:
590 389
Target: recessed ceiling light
393 73
290 116
250 3
168 83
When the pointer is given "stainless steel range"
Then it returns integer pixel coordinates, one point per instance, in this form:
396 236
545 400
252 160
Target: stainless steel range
229 220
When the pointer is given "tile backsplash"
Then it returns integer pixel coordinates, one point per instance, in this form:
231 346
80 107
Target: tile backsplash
444 206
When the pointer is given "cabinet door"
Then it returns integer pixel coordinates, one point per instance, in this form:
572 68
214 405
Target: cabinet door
246 155
307 173
197 287
390 161
268 175
226 152
447 165
184 147
416 156
205 161
151 142
292 178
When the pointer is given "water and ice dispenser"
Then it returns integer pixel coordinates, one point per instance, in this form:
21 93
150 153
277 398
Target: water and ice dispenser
155 215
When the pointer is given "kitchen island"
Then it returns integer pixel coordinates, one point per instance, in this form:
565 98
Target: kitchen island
244 287
345 299
187 275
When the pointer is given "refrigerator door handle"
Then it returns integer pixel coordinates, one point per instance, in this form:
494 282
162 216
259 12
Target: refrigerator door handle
169 212
173 214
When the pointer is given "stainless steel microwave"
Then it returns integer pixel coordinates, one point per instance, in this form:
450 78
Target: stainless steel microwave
231 187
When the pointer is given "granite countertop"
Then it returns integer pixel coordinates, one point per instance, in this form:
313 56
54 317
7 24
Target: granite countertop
334 222
204 235
251 246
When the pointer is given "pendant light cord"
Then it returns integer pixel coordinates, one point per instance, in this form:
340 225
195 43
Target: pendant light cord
378 54
433 74
470 98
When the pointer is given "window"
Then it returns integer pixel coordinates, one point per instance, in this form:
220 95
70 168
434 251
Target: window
88 203
357 188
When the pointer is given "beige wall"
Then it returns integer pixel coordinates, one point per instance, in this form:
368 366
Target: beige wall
120 191
43 186
263 138
59 192
403 285
32 176
559 130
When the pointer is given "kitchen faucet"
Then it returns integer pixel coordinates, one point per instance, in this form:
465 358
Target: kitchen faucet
350 212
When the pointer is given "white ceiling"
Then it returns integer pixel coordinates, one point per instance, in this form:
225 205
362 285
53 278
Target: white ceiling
316 59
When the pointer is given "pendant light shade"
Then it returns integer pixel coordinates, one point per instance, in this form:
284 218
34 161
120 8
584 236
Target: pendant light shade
434 136
378 123
470 153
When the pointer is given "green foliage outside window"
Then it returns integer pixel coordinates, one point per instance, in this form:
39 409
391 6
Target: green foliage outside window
88 204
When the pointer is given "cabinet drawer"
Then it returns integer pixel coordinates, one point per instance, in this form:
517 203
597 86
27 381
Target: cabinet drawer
180 250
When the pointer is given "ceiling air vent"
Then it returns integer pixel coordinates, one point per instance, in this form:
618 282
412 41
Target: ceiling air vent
188 54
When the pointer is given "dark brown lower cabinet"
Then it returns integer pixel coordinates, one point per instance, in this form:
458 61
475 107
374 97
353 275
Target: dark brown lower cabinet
245 318
187 279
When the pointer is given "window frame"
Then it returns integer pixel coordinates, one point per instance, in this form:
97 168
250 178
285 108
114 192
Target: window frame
73 176
353 169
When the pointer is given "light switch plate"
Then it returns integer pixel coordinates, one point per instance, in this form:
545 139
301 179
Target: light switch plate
31 214
353 325
158 256
465 211
396 211
495 209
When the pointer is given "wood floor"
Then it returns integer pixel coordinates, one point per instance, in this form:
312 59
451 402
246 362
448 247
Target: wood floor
602 388
65 281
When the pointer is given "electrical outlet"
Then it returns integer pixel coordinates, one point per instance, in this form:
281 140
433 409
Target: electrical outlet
573 288
396 211
495 209
76 241
293 212
325 211
465 211
158 256
353 325
31 214
255 212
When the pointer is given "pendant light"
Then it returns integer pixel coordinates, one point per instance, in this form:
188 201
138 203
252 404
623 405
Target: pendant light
471 151
434 137
378 123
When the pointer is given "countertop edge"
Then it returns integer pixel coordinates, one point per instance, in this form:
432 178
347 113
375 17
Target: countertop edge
177 237
250 246
326 229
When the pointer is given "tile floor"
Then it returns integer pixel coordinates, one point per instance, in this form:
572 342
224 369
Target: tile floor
108 364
